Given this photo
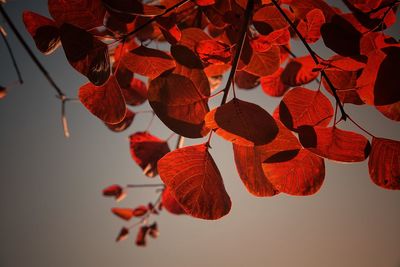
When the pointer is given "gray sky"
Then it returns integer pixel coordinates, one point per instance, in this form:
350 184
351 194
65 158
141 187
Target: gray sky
53 213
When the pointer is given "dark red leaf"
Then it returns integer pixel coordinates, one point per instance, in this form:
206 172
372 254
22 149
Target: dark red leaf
105 102
213 52
268 19
85 14
148 61
245 80
169 202
181 103
124 124
302 175
3 92
301 106
153 230
141 236
299 71
311 29
146 150
391 111
195 182
242 123
44 32
272 84
115 191
384 163
133 7
123 234
335 144
135 93
86 54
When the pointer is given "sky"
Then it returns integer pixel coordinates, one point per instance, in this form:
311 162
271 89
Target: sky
53 213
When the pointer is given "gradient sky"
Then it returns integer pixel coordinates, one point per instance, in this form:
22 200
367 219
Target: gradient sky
53 214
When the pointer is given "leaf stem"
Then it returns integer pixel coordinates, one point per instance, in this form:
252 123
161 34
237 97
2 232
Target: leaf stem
242 38
17 70
143 185
313 55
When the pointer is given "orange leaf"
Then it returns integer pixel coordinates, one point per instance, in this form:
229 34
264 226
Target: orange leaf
123 234
170 204
105 102
335 144
195 182
384 163
242 123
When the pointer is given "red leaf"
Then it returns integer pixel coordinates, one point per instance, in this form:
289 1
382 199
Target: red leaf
242 123
136 93
3 92
384 163
272 84
213 52
302 175
140 211
302 7
245 80
86 54
146 150
123 213
133 7
263 63
115 191
44 32
123 234
391 111
169 202
268 19
181 103
335 144
105 102
124 124
85 14
148 61
301 106
195 182
311 29
299 71
141 236
153 230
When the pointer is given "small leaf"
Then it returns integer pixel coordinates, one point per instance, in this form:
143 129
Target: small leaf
272 84
242 123
123 234
105 102
123 213
299 71
141 236
384 163
153 230
146 150
335 144
115 191
311 29
195 182
264 63
3 92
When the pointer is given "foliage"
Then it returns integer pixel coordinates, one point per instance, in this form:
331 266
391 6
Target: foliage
249 40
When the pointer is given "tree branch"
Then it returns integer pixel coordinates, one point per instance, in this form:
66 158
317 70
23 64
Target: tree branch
314 57
17 70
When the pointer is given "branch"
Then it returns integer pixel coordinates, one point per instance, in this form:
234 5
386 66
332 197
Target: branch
17 70
143 185
247 16
314 57
144 25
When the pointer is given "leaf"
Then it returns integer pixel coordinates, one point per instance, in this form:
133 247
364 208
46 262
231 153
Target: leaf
335 144
195 182
268 19
391 111
141 236
148 61
44 32
299 71
85 14
153 230
302 7
301 106
311 29
135 93
242 123
384 163
169 202
146 150
272 84
133 7
3 92
213 52
123 234
105 102
124 124
264 63
180 103
86 54
115 191
301 176
127 213
245 80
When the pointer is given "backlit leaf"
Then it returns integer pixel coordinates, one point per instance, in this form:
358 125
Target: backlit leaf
124 124
272 84
384 163
335 144
115 191
146 150
242 123
311 29
299 71
123 234
170 204
105 102
195 182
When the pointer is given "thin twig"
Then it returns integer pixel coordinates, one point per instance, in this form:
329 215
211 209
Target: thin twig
242 38
17 70
143 185
180 142
313 55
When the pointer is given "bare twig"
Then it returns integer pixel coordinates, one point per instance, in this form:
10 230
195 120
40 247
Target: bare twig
17 70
